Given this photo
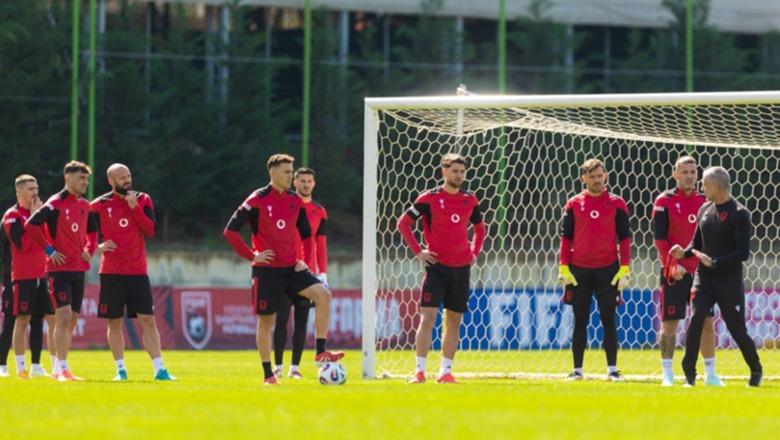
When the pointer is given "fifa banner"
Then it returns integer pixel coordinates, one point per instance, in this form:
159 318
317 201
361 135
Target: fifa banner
212 319
520 318
526 318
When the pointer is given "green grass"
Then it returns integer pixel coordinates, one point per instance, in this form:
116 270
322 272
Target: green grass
220 395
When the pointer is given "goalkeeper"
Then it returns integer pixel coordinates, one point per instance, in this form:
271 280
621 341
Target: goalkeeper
594 221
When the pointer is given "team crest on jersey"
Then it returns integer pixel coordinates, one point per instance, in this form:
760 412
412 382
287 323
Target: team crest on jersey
441 203
723 216
109 211
677 205
196 318
270 210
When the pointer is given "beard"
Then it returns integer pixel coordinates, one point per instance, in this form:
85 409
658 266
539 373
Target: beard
123 190
455 184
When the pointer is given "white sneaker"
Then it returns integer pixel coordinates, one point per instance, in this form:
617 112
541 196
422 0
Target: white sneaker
4 371
278 372
38 371
668 381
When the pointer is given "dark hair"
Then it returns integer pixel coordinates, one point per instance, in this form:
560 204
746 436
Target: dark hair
22 179
75 166
304 170
591 165
278 159
450 158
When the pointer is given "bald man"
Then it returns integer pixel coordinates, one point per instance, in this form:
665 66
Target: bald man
722 245
125 219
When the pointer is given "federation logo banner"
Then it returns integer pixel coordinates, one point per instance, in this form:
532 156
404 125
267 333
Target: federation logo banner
196 318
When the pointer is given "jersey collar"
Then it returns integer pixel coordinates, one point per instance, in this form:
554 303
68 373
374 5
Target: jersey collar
678 191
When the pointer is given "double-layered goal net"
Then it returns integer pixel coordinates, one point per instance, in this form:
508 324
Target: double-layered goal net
525 152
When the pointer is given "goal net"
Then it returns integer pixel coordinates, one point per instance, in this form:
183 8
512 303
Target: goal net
525 152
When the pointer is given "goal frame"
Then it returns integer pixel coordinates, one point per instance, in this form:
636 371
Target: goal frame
372 107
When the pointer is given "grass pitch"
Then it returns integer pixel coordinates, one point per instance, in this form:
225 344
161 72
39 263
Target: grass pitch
220 395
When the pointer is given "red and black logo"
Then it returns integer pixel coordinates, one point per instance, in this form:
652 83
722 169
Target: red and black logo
671 310
63 296
262 305
103 308
23 306
426 297
723 216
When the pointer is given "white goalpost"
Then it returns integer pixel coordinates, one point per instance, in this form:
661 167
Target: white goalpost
525 152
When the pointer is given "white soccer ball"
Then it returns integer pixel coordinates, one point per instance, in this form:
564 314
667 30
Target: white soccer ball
332 373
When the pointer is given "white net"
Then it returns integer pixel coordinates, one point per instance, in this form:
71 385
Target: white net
524 166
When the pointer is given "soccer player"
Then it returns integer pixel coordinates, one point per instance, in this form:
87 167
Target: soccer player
304 183
125 219
26 300
7 331
446 212
721 243
674 222
278 219
67 231
594 221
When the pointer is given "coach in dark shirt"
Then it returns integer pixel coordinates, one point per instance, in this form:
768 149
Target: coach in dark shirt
722 243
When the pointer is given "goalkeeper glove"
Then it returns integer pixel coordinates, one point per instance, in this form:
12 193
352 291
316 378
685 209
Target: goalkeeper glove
621 278
565 276
323 277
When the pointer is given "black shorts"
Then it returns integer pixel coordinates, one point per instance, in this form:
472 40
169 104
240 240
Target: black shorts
727 291
31 297
590 281
270 284
676 297
125 295
66 289
446 285
7 298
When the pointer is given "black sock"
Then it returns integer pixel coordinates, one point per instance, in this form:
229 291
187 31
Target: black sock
5 337
299 334
36 339
320 345
267 370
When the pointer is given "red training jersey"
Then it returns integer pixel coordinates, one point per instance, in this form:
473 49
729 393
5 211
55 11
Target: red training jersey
591 228
674 222
128 229
445 219
28 259
318 220
71 229
278 220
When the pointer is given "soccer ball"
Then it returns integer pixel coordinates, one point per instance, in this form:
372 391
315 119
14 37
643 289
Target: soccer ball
332 373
